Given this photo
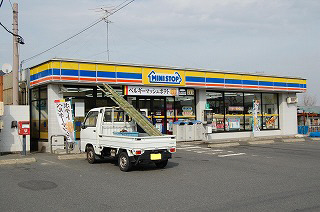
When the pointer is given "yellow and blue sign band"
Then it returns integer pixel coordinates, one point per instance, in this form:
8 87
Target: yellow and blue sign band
120 74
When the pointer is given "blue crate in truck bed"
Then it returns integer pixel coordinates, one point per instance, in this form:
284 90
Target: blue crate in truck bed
133 134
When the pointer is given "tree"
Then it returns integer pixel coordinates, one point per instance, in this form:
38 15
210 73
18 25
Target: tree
309 100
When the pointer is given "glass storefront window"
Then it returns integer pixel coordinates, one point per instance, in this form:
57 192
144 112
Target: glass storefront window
43 93
185 107
34 94
248 105
39 117
270 111
77 92
234 111
215 106
43 120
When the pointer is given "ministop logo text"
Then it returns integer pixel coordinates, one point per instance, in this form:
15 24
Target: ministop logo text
164 78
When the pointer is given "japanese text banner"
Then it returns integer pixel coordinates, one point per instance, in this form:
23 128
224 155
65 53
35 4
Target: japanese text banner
65 120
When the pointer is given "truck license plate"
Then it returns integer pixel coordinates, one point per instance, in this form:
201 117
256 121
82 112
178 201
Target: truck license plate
155 156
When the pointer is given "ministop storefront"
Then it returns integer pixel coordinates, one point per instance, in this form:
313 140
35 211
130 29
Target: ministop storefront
222 100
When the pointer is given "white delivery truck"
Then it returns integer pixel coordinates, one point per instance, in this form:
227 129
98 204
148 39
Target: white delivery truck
108 132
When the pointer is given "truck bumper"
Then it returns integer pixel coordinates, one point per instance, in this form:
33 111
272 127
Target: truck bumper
151 156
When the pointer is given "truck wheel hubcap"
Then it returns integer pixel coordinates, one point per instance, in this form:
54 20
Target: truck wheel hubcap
90 154
123 161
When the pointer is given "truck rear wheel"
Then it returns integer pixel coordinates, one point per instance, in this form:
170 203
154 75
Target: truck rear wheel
161 164
124 162
91 155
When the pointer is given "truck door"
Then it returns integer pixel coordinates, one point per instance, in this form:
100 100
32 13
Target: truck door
88 132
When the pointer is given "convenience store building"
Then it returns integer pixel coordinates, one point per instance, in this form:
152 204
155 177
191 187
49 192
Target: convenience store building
222 99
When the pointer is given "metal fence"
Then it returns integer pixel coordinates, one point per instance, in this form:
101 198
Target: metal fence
307 129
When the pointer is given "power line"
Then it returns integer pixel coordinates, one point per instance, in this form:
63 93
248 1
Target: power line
20 39
62 42
11 4
83 30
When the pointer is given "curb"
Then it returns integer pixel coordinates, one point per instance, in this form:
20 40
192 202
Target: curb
294 140
261 142
223 145
315 139
17 161
71 157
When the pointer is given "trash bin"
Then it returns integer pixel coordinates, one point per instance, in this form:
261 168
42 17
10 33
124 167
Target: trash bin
189 130
179 130
198 130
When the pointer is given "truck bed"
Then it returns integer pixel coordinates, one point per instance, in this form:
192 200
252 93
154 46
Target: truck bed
142 142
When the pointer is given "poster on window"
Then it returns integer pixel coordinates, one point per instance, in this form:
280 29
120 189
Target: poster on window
234 123
256 110
65 120
270 122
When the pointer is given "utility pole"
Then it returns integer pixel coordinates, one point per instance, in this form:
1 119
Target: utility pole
107 21
15 74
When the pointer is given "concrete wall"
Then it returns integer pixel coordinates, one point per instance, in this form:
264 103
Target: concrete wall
7 89
53 127
200 103
10 141
288 115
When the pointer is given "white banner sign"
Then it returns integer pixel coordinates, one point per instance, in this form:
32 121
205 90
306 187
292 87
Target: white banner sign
150 91
65 120
256 110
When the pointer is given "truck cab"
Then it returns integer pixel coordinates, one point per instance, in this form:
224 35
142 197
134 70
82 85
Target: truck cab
108 132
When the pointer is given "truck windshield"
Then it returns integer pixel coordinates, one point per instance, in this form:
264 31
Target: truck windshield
119 116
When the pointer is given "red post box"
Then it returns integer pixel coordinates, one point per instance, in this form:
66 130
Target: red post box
24 128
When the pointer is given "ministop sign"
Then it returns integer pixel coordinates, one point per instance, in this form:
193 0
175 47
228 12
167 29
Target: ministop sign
164 78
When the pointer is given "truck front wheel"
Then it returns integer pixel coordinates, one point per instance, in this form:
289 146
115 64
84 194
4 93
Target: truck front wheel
124 162
91 155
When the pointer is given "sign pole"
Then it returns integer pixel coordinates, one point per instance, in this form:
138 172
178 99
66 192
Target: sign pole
253 118
24 146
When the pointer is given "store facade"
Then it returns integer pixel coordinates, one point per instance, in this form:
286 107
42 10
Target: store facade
222 100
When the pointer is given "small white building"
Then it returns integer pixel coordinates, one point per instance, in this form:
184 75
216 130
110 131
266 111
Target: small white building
223 100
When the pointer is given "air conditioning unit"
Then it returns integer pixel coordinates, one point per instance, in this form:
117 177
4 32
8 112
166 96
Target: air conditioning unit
292 100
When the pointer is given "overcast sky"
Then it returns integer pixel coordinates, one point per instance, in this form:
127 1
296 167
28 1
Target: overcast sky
271 36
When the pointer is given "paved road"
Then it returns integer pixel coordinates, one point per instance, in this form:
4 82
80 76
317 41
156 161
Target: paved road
275 177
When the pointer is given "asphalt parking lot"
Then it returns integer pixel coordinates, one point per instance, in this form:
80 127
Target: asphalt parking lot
271 177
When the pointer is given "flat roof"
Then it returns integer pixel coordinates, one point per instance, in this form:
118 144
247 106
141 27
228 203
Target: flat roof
162 67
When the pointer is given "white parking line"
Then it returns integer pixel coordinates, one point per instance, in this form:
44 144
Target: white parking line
211 153
217 150
221 156
191 147
200 151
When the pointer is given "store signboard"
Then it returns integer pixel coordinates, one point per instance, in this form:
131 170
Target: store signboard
150 91
236 108
190 92
182 92
65 120
163 77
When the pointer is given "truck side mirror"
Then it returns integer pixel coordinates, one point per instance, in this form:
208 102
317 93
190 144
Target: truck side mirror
83 126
